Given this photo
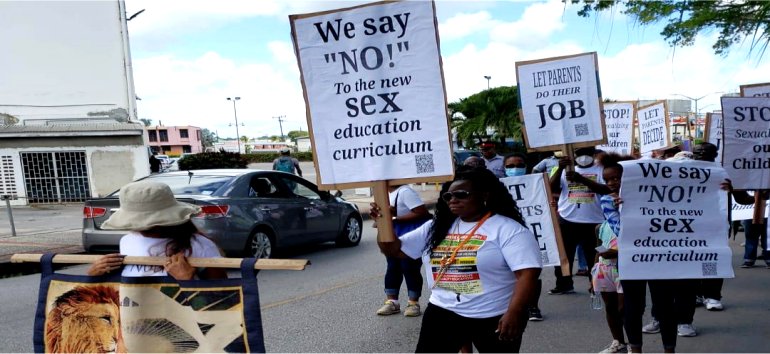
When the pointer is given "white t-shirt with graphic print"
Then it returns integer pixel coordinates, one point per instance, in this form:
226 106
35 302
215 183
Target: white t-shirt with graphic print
480 283
577 203
134 244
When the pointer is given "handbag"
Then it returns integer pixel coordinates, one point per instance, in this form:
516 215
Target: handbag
402 227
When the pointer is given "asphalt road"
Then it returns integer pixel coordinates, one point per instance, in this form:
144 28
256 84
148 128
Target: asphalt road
330 308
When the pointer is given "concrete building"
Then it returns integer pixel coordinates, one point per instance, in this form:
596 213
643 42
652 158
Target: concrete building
173 140
303 144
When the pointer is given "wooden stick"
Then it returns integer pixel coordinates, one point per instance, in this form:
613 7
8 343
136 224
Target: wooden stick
555 221
570 153
759 208
384 223
235 263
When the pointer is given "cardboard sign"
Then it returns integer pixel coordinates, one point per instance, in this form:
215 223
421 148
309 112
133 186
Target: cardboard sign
374 89
756 90
619 117
653 127
747 141
744 211
561 102
713 132
673 221
532 196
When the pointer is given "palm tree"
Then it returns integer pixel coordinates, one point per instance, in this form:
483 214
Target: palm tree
496 108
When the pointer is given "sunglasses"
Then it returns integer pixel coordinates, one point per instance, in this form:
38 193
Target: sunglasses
459 195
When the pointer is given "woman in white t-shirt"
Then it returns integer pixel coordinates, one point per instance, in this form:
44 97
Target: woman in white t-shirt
481 262
160 226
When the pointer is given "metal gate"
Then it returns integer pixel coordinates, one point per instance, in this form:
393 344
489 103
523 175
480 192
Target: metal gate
55 177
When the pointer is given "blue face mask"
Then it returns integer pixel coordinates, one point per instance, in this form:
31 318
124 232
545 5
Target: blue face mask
516 171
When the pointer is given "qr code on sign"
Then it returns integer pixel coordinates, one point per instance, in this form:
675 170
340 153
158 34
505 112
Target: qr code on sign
424 163
709 268
581 129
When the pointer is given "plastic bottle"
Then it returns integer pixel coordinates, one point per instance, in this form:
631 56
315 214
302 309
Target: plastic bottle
596 302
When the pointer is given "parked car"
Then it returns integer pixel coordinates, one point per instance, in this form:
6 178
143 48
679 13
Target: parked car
459 156
164 160
246 212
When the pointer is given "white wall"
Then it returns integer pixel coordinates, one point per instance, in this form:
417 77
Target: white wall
65 59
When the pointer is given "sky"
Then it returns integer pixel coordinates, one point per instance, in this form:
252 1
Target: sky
190 55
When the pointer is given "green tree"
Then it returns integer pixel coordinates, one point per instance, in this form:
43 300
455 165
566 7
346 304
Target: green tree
734 20
146 121
294 134
207 137
496 108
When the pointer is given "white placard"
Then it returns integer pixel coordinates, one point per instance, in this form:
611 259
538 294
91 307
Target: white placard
374 87
714 132
534 203
653 127
756 90
560 101
747 141
673 221
619 119
745 212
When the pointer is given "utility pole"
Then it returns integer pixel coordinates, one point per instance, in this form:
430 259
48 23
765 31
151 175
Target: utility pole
280 124
235 113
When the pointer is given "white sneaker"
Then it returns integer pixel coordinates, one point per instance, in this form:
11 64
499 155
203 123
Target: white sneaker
390 307
615 347
686 330
714 305
652 327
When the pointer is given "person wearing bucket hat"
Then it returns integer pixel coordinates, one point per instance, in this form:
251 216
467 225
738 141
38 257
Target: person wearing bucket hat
159 226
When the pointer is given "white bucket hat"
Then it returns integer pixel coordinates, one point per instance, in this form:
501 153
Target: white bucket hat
146 204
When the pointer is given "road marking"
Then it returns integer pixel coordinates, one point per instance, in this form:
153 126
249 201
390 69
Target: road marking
320 292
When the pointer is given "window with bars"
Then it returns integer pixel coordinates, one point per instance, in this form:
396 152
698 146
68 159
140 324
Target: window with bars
152 135
55 177
7 177
184 134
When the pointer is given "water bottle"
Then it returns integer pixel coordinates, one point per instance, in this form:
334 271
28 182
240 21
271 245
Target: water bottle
596 302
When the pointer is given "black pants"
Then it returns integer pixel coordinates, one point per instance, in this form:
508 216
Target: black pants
684 292
444 331
665 308
573 234
711 288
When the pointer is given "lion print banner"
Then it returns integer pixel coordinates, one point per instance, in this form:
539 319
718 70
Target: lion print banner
114 314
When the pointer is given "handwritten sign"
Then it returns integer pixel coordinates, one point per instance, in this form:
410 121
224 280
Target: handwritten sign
619 118
374 89
533 200
673 221
561 101
747 141
653 127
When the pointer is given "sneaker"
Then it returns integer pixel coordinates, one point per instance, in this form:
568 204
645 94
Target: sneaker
686 330
583 273
390 307
700 301
412 310
561 291
747 264
615 347
714 305
534 314
652 327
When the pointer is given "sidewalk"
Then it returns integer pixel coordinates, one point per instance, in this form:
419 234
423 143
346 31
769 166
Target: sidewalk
57 228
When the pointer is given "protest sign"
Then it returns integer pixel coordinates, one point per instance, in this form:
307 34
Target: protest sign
561 102
745 212
756 90
747 141
673 221
374 90
110 313
533 196
653 127
713 132
619 117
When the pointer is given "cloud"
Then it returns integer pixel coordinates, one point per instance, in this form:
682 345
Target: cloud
462 25
538 22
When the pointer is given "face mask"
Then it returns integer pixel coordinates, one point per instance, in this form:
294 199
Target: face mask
584 160
516 171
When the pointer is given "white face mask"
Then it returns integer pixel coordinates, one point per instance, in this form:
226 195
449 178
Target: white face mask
584 160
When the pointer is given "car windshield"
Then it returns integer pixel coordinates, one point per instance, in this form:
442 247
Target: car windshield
183 184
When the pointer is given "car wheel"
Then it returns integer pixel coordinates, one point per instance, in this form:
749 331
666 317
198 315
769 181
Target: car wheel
351 233
261 245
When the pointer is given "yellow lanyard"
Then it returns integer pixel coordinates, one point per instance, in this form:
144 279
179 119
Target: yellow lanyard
447 261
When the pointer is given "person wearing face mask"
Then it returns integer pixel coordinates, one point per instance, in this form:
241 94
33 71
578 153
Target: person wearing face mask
579 210
515 165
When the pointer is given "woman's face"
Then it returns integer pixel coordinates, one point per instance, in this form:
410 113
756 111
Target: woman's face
612 178
465 202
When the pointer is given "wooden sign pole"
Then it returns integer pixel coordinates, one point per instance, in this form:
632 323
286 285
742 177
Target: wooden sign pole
568 151
759 208
555 220
384 223
234 263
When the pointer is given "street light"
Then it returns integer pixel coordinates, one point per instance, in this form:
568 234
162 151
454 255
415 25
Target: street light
696 107
235 113
488 78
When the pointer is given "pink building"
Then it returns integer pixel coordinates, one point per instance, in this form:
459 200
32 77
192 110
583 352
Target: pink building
173 140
